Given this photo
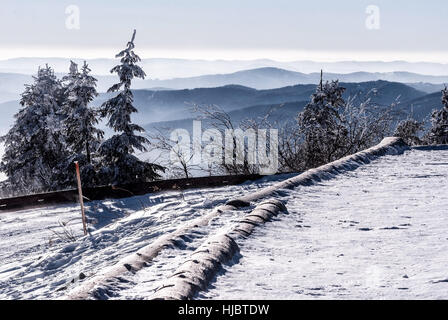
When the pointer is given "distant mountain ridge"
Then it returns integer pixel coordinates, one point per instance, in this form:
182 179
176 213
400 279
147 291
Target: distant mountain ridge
419 108
168 68
175 104
12 84
168 105
269 78
422 107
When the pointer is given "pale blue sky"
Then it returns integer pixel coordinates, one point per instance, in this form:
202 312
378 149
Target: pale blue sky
283 29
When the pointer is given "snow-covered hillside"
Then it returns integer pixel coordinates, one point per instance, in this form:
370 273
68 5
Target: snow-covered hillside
376 232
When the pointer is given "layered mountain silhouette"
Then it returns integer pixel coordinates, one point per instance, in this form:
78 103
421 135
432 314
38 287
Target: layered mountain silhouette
168 68
268 78
242 102
177 104
12 84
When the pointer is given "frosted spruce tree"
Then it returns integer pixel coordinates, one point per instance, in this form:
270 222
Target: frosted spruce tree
409 130
119 165
439 120
35 145
82 137
323 130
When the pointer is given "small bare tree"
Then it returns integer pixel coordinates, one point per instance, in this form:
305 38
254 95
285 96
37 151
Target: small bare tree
220 120
174 156
367 123
291 150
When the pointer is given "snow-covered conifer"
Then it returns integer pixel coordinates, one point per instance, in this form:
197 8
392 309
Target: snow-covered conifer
321 125
439 120
81 135
119 165
408 130
35 144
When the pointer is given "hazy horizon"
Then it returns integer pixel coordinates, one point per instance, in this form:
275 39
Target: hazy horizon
167 68
282 30
347 60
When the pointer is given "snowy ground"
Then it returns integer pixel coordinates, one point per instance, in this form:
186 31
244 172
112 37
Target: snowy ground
377 232
35 263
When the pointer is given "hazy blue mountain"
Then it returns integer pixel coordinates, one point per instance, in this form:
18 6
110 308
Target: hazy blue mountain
278 114
427 87
162 68
175 104
168 105
396 76
12 84
419 108
422 107
7 111
268 78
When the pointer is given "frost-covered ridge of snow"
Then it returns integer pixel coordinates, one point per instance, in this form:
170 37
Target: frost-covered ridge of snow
203 264
391 145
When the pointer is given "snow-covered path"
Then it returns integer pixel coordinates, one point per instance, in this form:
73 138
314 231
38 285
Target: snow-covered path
36 264
377 232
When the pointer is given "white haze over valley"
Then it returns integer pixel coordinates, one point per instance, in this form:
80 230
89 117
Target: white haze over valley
164 68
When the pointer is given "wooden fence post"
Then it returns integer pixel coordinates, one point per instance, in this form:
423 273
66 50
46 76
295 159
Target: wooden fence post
81 200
